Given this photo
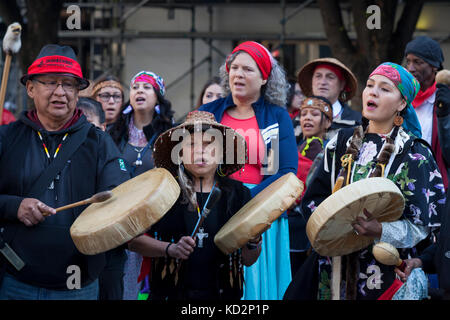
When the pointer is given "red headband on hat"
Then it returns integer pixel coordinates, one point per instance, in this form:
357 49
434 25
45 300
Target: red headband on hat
259 53
336 70
55 64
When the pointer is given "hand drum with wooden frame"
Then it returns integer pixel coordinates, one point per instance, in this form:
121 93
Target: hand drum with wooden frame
329 228
257 215
134 207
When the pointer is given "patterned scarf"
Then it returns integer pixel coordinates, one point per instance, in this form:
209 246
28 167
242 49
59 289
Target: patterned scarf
408 87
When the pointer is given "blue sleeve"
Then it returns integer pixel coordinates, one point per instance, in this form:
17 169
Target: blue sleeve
287 152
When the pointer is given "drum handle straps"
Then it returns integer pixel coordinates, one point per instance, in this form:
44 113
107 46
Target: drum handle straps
346 161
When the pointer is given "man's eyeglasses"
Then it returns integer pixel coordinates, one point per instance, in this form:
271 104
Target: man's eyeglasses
66 85
106 96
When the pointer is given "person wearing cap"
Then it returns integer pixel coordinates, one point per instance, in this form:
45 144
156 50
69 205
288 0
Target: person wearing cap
330 78
189 266
255 88
424 59
52 156
316 116
385 145
109 92
147 114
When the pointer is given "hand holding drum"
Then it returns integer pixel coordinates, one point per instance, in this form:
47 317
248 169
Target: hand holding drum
387 254
257 215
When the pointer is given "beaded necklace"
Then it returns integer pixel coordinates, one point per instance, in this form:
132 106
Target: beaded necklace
57 149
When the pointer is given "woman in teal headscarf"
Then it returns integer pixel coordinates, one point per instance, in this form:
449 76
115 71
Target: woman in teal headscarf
388 145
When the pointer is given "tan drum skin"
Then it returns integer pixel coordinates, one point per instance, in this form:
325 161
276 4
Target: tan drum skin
257 215
135 206
329 228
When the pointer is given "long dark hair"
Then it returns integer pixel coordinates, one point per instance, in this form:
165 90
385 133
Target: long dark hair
162 121
213 80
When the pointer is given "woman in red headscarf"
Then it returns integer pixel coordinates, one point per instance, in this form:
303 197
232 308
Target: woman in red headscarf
255 90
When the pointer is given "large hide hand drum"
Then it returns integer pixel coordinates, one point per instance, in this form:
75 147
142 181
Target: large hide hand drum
329 228
135 206
257 215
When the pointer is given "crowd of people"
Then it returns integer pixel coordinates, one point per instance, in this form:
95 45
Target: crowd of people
67 148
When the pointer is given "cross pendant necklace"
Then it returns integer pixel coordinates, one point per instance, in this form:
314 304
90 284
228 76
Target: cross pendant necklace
201 235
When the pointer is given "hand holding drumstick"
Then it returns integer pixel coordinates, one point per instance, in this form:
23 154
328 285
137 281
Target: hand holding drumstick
32 211
410 264
98 197
387 254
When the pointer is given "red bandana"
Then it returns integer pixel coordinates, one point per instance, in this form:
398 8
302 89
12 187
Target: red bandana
259 53
423 95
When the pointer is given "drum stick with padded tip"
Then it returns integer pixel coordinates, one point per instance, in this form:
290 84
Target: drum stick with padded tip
98 197
387 254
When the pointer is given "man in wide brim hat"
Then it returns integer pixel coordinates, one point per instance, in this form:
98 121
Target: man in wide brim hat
201 121
330 78
305 75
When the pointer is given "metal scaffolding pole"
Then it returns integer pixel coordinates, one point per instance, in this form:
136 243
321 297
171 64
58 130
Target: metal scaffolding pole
192 56
210 12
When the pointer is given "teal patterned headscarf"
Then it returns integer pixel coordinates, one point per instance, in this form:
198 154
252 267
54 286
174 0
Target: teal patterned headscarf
408 87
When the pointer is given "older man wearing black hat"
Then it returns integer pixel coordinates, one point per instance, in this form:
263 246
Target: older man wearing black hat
424 59
51 157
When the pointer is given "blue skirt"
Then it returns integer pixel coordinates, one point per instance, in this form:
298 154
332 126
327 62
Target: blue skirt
269 277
